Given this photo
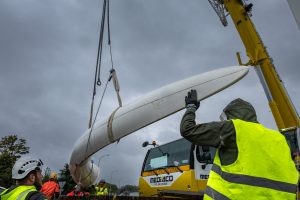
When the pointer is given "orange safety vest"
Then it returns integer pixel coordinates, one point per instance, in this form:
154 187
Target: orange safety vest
49 188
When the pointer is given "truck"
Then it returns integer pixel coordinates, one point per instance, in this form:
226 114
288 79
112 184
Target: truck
178 168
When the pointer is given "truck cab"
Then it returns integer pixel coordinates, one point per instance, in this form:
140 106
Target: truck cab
178 168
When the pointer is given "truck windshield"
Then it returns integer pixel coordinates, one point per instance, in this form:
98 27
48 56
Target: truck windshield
172 154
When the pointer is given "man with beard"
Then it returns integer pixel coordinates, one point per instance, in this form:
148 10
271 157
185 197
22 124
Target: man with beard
27 172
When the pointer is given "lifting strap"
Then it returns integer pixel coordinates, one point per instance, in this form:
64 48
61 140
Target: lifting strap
116 85
97 81
113 75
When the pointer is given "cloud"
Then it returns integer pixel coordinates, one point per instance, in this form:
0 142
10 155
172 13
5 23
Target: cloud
48 56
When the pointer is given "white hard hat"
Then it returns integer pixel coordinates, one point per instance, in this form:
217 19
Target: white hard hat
24 166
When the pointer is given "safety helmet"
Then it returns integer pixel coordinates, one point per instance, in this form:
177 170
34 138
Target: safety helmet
53 176
24 166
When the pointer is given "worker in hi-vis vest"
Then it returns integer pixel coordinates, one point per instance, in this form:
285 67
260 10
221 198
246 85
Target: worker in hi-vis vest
251 162
27 172
101 189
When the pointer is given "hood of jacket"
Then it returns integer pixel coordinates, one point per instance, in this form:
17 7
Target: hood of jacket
240 109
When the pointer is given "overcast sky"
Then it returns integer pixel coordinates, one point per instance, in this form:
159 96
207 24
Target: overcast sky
48 54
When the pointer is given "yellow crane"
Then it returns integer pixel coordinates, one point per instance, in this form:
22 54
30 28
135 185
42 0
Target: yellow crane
283 110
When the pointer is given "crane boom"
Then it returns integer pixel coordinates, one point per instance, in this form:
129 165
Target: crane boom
283 110
295 7
281 106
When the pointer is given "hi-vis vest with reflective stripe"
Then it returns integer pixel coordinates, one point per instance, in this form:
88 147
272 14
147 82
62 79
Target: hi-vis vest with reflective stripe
19 193
101 191
264 168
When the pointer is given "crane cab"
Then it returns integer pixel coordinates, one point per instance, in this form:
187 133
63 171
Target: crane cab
178 168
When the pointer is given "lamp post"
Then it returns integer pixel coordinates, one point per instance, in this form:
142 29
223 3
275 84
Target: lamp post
106 155
120 182
111 173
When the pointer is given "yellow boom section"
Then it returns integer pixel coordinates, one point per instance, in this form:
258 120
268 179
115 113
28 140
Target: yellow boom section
281 106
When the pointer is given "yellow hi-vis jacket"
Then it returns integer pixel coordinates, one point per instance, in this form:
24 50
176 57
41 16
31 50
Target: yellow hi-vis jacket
101 191
19 193
264 168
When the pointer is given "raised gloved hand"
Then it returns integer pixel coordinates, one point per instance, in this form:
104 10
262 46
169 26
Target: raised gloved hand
191 100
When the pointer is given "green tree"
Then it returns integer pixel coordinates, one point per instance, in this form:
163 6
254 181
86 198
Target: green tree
11 148
127 189
112 188
66 177
47 174
131 188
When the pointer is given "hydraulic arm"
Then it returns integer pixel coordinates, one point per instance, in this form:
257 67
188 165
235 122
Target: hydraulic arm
283 110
